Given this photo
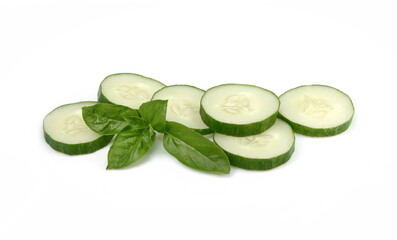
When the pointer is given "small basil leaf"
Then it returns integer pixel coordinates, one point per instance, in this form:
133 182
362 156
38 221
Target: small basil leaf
154 112
194 150
136 124
128 147
107 119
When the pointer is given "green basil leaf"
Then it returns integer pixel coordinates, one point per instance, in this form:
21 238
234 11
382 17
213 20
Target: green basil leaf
106 118
136 124
154 112
128 147
194 150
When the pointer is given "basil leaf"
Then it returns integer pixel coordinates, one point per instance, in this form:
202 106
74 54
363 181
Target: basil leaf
128 147
194 150
107 119
154 112
136 124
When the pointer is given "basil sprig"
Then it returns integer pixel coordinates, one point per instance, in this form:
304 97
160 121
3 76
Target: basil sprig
135 136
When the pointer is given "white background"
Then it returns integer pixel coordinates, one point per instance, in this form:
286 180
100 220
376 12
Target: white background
57 52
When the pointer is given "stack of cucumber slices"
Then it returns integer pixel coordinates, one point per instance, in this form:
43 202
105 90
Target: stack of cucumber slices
252 128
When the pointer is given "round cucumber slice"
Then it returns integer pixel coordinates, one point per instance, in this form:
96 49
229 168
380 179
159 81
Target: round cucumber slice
65 130
317 110
264 151
239 109
183 106
128 89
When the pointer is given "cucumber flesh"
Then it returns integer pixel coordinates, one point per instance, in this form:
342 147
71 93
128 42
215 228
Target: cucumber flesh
183 106
264 151
66 131
239 109
317 110
128 89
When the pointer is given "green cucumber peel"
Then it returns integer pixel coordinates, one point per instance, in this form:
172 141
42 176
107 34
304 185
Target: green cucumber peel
239 130
102 98
317 132
78 149
259 164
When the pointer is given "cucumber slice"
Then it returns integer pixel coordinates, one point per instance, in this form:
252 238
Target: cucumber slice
317 110
65 130
239 109
128 89
264 151
183 106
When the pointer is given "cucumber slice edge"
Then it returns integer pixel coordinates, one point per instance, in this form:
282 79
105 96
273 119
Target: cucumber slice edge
259 164
202 131
103 99
319 132
239 130
79 148
265 163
